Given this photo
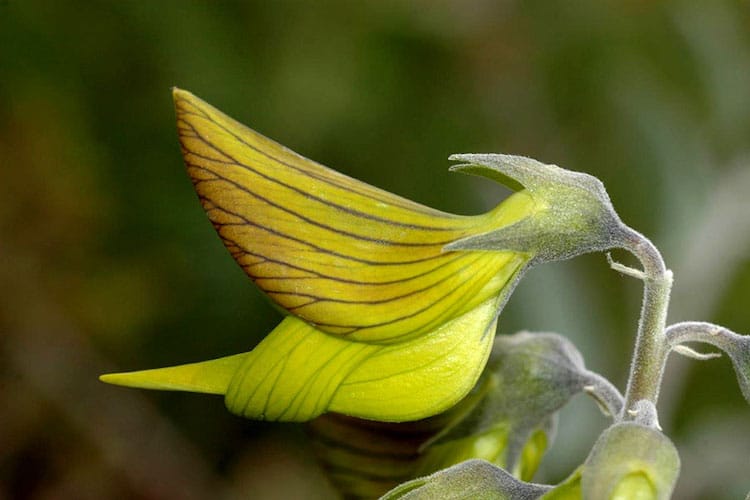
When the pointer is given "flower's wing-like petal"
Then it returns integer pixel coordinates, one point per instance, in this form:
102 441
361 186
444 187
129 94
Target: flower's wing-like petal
344 256
298 372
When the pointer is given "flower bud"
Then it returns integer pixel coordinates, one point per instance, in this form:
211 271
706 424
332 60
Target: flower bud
630 460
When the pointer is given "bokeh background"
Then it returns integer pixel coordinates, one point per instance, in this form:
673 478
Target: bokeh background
107 261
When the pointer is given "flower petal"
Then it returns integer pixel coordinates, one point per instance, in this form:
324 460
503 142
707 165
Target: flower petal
298 372
344 256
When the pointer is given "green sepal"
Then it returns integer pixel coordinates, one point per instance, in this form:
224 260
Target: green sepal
573 213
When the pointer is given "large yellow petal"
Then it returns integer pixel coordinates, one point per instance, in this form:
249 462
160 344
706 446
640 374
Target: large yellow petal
344 256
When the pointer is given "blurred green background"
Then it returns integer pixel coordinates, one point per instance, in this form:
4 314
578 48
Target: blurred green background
107 261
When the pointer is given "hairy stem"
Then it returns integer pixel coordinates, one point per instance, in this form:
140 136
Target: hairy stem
700 331
604 392
651 347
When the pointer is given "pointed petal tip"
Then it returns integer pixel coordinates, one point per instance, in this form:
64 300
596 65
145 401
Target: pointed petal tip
133 379
182 97
145 379
109 378
173 378
208 377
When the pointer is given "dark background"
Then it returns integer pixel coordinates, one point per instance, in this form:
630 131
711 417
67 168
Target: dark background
107 261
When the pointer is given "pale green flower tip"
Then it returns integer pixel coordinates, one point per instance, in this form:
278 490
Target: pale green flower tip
569 489
635 486
573 215
533 451
630 460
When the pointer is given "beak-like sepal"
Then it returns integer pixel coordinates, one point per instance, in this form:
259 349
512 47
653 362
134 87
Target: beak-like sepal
572 212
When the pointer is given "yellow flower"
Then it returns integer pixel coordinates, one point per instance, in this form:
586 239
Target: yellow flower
345 257
384 322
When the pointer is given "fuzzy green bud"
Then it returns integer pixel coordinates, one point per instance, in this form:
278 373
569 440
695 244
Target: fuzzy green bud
631 461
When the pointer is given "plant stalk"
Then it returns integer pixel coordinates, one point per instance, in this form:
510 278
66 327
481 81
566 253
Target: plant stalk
651 347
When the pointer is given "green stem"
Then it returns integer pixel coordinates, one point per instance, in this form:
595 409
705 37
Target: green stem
651 347
700 331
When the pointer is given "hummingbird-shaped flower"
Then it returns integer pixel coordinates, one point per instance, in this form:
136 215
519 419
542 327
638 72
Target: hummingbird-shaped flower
391 305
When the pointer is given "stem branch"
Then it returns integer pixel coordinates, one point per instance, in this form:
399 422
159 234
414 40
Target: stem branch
700 331
604 392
